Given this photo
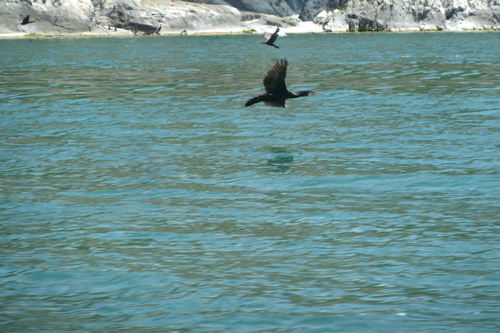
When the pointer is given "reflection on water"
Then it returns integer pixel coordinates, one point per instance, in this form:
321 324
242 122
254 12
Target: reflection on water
281 159
140 195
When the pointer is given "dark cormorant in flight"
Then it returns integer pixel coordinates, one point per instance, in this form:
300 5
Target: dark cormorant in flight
276 91
272 39
26 20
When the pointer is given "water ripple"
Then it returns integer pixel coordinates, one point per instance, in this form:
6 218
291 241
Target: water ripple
138 194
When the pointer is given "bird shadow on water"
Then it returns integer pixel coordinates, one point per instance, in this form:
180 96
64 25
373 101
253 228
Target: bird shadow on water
281 159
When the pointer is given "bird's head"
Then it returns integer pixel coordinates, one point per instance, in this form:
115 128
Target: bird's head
305 93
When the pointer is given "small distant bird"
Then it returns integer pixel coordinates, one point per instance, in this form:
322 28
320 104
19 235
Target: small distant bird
276 91
272 39
26 20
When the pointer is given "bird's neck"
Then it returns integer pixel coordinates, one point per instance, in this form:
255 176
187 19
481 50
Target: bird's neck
301 93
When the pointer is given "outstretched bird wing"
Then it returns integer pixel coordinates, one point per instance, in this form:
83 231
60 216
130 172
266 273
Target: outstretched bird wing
274 36
274 81
26 20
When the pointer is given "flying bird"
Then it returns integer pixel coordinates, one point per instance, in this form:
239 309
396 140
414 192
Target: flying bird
272 39
276 91
26 20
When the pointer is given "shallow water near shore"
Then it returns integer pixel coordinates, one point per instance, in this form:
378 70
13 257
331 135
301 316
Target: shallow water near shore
139 195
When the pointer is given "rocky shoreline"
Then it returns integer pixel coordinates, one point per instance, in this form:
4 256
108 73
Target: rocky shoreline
145 17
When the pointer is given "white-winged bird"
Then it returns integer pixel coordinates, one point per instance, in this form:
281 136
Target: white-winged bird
272 39
26 20
276 91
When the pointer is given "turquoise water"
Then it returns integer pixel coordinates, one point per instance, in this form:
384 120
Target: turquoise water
139 195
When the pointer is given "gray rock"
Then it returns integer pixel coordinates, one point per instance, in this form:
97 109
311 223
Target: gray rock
146 16
51 16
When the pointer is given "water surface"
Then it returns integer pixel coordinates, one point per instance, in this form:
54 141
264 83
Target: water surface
139 195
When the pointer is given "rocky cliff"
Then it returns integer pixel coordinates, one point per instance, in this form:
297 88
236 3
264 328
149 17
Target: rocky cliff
174 16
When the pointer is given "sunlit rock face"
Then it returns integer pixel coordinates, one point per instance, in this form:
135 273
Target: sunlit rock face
399 15
366 15
146 16
73 16
50 16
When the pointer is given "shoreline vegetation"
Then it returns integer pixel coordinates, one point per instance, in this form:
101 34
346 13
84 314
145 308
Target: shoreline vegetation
214 33
102 32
